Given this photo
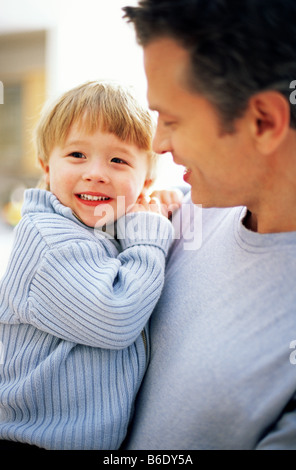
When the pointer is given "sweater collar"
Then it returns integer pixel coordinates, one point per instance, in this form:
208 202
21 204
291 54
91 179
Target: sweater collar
41 200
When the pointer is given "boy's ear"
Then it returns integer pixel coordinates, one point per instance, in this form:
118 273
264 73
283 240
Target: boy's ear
270 120
148 183
146 187
45 168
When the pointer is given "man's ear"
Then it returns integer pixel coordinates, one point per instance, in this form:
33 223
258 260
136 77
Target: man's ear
270 118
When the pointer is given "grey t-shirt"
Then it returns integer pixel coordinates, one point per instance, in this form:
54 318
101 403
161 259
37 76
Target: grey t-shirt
220 373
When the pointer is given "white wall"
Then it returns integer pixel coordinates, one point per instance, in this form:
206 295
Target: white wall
86 39
91 41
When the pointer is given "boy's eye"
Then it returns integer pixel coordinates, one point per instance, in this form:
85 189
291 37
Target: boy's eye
118 160
77 155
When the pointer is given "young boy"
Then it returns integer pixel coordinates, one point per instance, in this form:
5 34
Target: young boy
74 304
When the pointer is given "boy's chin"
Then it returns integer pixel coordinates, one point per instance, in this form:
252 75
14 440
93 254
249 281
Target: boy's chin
94 223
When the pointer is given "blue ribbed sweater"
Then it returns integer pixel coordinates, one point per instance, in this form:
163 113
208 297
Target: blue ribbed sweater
72 309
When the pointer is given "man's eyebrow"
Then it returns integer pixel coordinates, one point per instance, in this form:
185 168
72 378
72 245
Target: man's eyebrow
161 110
155 108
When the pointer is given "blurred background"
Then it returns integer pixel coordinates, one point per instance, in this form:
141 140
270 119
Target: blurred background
47 47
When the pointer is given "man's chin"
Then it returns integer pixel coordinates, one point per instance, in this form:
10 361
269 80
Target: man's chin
203 201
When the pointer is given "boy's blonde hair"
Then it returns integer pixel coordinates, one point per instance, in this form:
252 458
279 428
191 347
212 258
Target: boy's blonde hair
107 106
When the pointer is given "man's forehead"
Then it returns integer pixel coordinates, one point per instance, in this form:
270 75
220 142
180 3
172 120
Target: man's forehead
166 64
166 48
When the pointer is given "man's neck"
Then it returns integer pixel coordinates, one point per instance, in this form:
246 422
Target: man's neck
272 207
250 221
272 220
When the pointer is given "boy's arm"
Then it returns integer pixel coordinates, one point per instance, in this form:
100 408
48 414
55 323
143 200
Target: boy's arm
83 295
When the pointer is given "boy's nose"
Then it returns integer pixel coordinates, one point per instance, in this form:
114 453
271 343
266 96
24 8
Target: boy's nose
96 173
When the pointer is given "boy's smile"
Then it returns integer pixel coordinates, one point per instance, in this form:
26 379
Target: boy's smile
93 199
90 171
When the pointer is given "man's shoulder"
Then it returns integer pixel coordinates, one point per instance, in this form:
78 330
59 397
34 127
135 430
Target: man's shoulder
193 224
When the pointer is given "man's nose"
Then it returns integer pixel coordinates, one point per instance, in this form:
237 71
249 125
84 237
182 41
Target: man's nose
161 141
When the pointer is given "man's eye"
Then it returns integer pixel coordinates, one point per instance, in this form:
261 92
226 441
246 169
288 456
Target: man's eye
118 160
77 155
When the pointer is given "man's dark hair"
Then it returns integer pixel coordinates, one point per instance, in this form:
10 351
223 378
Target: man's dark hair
237 48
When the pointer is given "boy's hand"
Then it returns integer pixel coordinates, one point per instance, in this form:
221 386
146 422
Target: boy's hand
145 204
163 202
169 200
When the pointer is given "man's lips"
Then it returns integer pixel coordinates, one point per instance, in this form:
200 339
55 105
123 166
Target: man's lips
93 199
186 175
187 171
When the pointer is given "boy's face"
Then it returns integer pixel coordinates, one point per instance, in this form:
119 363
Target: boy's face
90 171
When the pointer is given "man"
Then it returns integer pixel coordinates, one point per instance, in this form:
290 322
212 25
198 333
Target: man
222 376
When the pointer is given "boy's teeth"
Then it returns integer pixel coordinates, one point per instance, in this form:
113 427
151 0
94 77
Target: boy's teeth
88 197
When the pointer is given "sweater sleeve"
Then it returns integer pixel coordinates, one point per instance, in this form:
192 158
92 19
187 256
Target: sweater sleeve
81 294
